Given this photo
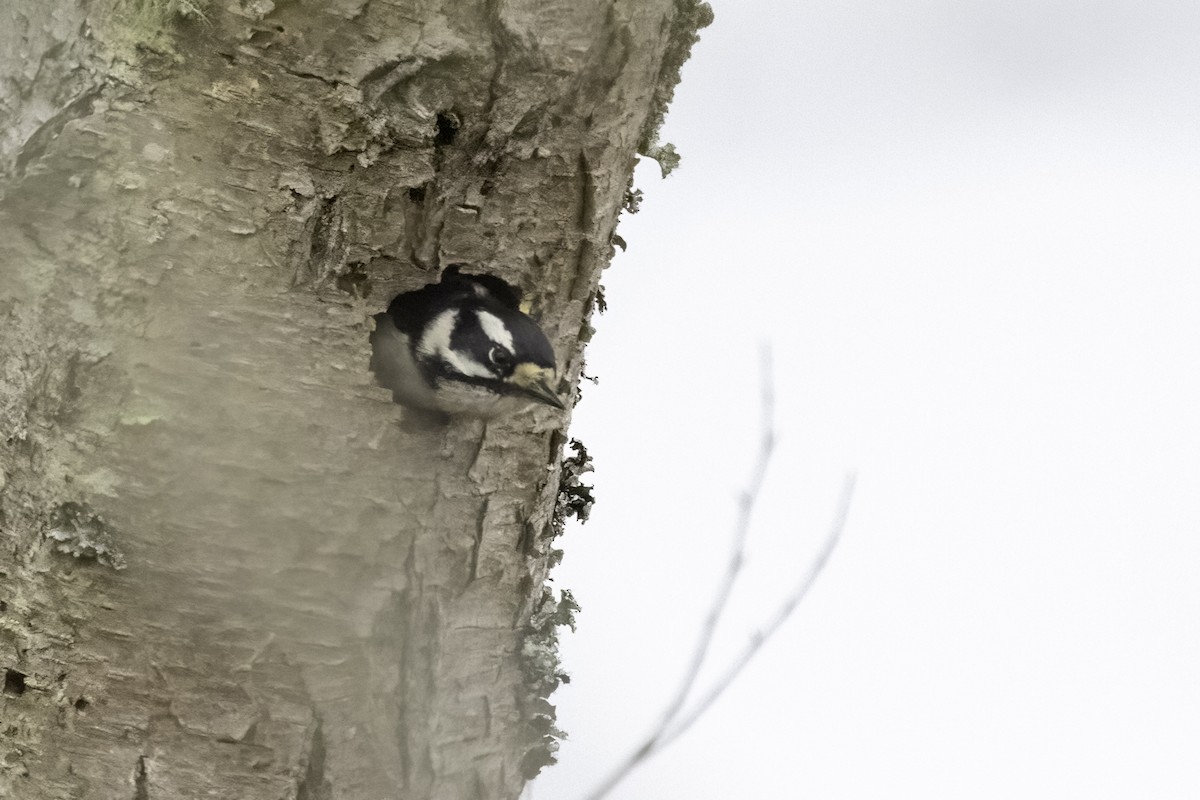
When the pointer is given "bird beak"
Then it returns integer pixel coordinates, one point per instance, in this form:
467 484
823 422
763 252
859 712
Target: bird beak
535 382
542 392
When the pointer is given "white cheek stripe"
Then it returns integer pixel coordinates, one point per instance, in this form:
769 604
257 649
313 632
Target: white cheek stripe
495 329
437 336
436 343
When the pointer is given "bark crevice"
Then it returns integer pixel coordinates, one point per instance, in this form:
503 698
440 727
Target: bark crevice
37 142
141 780
314 785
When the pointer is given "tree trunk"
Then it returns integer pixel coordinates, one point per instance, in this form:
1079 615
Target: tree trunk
226 567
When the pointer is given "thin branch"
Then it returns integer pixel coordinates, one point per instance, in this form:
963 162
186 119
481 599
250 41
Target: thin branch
668 728
746 503
781 616
667 732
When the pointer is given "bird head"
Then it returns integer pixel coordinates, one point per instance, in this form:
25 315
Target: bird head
463 346
482 342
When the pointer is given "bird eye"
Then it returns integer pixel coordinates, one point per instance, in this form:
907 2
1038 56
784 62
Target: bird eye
500 357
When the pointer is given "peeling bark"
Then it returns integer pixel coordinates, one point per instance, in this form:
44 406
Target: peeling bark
226 566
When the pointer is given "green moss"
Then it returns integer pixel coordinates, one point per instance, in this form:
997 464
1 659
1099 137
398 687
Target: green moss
539 643
154 15
544 674
691 16
575 498
77 530
149 22
631 203
666 156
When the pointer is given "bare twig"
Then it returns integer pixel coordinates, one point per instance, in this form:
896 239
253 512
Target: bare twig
671 725
746 502
764 634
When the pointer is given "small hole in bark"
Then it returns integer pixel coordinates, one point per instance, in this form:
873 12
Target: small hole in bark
355 281
3 606
447 128
486 188
417 194
81 704
14 682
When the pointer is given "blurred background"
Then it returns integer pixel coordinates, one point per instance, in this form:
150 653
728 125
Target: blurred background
970 231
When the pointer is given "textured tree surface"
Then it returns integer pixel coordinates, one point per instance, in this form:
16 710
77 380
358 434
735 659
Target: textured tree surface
228 567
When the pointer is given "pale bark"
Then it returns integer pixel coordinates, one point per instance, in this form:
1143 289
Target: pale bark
283 591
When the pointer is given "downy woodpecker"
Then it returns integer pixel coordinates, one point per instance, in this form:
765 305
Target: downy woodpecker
463 347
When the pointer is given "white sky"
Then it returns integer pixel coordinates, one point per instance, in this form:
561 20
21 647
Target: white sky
971 232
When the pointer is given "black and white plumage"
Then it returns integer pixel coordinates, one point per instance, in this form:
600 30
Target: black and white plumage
463 347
